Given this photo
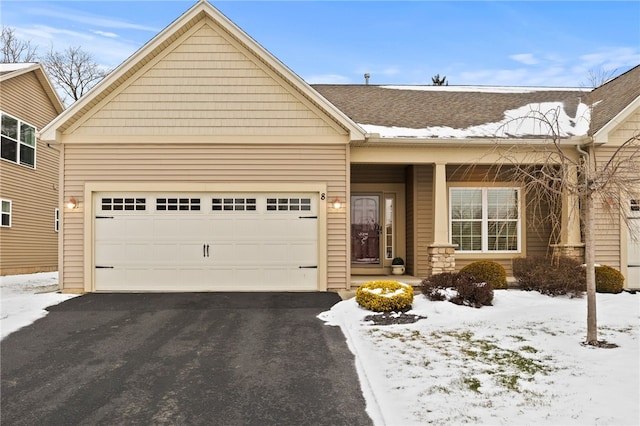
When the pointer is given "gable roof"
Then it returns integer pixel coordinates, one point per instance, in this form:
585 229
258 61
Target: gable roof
612 100
458 111
13 70
200 11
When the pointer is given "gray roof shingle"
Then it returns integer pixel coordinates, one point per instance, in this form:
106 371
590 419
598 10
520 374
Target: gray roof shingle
612 97
455 107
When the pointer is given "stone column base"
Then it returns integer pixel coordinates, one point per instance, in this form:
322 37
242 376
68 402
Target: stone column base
573 251
442 258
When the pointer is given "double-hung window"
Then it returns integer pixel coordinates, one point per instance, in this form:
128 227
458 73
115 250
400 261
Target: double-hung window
5 213
485 219
18 143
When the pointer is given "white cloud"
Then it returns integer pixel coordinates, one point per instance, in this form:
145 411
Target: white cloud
88 19
525 58
106 34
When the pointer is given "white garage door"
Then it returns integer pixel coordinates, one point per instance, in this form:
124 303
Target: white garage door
205 242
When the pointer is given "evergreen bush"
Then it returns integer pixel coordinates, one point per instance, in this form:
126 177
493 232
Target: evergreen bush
609 280
488 271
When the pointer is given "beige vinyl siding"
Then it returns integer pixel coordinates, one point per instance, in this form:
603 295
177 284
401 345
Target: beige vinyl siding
410 221
607 227
184 163
31 244
626 130
205 84
540 235
423 217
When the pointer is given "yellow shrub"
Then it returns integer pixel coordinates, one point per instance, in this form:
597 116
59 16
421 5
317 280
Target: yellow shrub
385 296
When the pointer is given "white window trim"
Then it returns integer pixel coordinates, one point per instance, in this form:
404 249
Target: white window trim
35 147
4 200
485 220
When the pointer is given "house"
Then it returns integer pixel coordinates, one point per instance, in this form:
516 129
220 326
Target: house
28 171
203 163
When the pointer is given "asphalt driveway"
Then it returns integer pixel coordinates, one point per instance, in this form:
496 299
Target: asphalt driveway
182 359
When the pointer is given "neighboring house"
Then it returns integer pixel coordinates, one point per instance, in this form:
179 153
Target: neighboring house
28 171
202 163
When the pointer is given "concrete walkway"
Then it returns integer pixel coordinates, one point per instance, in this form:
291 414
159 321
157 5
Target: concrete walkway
182 359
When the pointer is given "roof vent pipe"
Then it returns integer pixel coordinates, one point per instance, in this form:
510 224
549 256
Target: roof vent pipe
366 78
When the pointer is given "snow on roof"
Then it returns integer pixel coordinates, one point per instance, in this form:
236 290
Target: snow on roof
484 89
10 67
532 120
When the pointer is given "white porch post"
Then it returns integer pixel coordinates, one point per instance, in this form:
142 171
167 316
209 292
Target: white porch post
440 205
441 252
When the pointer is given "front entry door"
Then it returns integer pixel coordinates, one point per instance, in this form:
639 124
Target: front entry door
365 230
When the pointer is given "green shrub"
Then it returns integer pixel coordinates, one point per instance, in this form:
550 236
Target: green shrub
488 271
385 296
608 280
397 261
460 288
566 276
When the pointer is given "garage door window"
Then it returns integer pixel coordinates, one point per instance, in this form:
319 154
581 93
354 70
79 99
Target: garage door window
117 204
233 204
288 204
178 204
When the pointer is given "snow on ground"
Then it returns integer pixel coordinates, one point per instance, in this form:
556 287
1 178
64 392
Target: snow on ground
24 297
518 362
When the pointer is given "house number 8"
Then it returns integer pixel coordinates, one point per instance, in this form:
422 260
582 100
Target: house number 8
323 196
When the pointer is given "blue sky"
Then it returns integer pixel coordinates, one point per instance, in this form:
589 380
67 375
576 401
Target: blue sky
510 43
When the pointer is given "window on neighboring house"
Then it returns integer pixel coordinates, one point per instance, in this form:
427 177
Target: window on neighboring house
56 220
5 212
18 143
485 220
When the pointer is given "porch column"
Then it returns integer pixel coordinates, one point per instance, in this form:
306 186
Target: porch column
571 244
441 252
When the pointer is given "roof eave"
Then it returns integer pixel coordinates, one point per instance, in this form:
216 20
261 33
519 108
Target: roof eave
374 139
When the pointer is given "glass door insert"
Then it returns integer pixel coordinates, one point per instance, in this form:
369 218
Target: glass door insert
365 229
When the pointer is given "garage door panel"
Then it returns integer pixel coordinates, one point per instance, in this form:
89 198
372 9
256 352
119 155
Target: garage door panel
240 242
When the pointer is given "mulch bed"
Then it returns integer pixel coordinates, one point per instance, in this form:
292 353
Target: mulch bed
392 318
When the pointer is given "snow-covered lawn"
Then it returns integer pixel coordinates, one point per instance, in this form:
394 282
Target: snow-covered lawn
24 297
519 362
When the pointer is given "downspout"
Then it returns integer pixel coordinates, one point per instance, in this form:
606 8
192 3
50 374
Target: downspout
583 153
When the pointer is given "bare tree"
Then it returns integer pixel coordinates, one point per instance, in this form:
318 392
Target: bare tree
599 76
437 81
74 71
559 171
15 50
